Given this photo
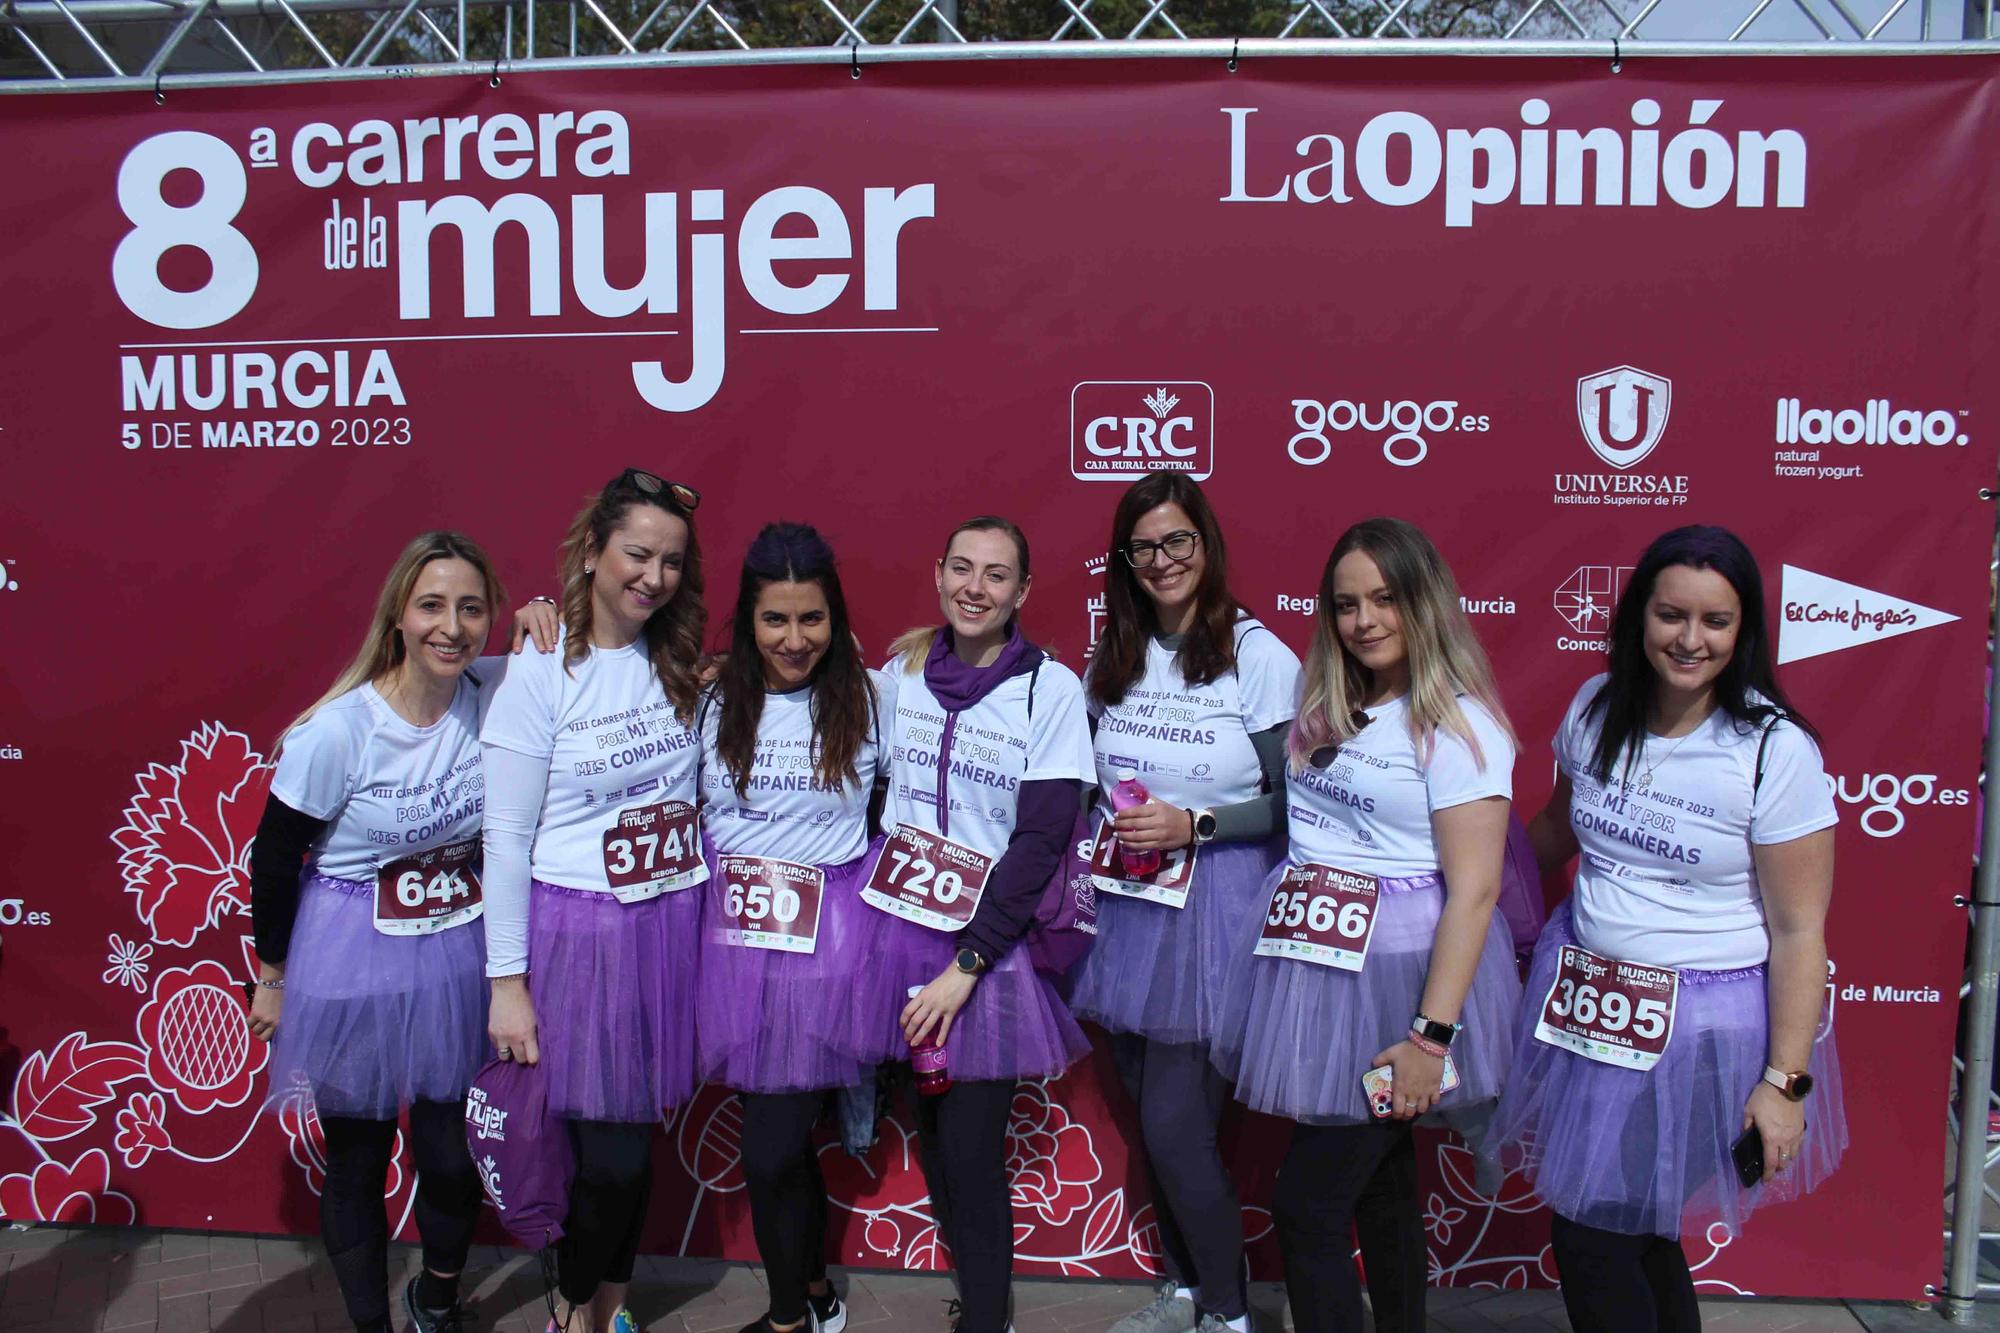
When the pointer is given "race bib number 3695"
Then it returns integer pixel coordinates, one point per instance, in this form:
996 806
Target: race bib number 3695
928 879
1612 1012
1320 914
429 891
651 850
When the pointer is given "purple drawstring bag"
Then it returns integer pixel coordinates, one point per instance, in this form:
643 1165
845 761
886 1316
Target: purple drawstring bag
522 1151
1065 924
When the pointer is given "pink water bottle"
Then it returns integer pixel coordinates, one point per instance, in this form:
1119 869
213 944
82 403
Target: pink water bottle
1128 793
929 1061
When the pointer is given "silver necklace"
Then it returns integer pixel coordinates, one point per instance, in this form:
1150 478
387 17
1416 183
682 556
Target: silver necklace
1646 778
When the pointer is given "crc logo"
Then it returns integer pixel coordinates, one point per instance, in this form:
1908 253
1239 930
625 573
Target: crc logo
1885 795
1121 430
1403 426
1587 597
1623 413
14 912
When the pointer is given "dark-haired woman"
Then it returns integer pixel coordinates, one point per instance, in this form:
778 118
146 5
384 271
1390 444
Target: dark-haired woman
1380 953
1194 695
1674 999
989 753
791 749
591 787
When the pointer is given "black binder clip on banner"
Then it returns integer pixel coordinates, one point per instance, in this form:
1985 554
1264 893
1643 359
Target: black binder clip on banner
1234 48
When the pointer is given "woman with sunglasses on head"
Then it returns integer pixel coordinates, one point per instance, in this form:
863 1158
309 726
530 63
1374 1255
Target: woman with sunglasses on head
989 754
1381 949
791 749
1673 1000
591 787
369 948
1192 696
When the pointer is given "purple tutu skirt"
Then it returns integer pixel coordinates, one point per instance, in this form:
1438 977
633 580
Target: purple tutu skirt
372 1022
772 1021
614 992
1170 974
1015 1026
1648 1152
1308 1033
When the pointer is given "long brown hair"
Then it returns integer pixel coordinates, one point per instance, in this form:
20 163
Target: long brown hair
382 648
843 695
1208 651
672 633
914 645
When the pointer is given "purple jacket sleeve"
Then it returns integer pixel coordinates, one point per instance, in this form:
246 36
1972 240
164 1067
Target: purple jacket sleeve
1044 815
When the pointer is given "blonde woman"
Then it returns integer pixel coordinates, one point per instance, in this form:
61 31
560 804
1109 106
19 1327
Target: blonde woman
371 956
1380 949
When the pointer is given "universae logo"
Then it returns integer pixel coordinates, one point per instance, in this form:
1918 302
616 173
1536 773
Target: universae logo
1623 412
1121 430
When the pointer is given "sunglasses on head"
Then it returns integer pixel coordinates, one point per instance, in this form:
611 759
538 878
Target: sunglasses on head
652 485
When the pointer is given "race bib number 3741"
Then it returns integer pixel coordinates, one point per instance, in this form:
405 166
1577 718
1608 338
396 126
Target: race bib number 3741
651 850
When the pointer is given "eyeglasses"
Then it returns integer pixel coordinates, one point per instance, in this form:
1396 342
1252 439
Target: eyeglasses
1176 545
649 484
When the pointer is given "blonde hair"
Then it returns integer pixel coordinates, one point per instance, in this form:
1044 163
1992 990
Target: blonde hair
382 650
1445 656
673 633
913 646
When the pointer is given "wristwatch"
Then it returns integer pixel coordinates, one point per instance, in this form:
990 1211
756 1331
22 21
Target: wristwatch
968 961
1204 826
1432 1030
1795 1087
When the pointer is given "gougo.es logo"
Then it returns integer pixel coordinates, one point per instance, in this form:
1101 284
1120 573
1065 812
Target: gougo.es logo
1884 796
1404 426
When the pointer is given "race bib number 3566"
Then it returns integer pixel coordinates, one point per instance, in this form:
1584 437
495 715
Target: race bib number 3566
1321 914
1611 1012
928 879
429 891
651 850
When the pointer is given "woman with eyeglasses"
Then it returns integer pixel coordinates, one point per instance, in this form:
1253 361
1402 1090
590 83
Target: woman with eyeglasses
791 749
592 849
1383 986
989 752
1675 999
1191 695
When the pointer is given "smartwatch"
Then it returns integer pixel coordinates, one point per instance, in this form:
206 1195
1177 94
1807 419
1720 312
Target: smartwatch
968 961
1204 826
1795 1087
1432 1030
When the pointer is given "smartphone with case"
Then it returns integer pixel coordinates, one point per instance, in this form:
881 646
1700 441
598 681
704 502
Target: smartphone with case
1377 1085
1748 1154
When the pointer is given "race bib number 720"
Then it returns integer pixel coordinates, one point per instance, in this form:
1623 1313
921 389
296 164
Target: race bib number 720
928 879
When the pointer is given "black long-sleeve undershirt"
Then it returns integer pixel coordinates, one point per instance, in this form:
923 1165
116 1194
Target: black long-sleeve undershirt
285 837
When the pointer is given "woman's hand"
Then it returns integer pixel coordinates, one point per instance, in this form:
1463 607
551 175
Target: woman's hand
1417 1078
267 1003
1782 1122
1154 827
936 1005
510 1021
537 620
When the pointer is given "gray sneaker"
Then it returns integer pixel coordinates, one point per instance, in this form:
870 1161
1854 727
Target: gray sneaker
1213 1323
1167 1314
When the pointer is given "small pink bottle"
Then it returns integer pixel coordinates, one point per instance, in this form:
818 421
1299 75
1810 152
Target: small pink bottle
930 1062
1128 793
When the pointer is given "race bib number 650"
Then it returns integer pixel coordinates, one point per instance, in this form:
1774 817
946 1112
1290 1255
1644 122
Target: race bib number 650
928 879
770 904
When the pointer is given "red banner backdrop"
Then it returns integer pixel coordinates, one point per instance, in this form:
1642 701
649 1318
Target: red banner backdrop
258 337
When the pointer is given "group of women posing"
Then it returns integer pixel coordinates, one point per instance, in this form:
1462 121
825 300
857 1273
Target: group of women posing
787 869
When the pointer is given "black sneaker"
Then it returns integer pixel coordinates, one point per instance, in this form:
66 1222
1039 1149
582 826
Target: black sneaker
451 1319
828 1314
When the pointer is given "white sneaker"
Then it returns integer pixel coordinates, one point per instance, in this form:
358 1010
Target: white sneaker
1168 1313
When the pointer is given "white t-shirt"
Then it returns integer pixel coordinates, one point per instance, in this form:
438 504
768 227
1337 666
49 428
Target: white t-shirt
1191 743
1666 876
1370 809
785 812
387 787
994 749
612 743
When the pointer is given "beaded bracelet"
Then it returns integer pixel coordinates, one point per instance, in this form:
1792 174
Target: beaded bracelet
1427 1046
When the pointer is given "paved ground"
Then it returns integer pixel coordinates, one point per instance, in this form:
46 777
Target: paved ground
87 1281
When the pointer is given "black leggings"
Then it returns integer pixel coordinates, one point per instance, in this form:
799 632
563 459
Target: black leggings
354 1221
1180 1097
962 1141
1338 1180
787 1195
607 1206
1615 1283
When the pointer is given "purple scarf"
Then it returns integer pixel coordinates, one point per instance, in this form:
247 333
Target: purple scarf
958 686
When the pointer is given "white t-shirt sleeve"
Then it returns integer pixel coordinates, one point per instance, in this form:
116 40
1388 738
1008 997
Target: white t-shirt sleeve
1267 670
522 715
1571 735
321 761
1058 734
1454 776
1794 798
885 714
